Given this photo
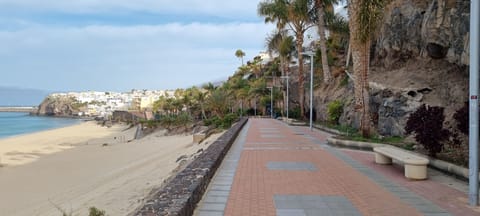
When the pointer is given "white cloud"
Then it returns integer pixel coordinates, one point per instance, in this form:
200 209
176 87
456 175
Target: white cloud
123 57
229 8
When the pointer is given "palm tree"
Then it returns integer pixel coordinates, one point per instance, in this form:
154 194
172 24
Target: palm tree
364 18
282 44
240 54
296 15
320 7
218 102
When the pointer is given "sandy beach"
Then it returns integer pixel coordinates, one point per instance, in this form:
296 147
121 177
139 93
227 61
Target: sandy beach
85 165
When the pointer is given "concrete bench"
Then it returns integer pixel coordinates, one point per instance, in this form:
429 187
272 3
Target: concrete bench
415 166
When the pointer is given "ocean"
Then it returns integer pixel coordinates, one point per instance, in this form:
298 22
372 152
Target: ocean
16 123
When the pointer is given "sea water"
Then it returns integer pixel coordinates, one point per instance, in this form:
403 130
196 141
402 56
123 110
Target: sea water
16 123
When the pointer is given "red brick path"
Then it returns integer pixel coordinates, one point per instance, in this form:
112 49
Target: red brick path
254 185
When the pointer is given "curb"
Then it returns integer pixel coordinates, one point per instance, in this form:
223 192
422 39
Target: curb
181 195
440 165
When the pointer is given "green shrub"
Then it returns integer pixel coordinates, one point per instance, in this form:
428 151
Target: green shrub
96 212
344 81
223 123
228 120
334 111
294 113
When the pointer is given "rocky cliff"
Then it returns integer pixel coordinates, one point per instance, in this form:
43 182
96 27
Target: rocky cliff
420 56
61 106
437 29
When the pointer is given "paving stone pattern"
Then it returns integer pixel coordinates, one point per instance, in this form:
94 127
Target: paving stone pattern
314 205
277 163
292 166
215 199
181 195
421 204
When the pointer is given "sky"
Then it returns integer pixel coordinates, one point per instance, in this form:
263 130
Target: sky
119 45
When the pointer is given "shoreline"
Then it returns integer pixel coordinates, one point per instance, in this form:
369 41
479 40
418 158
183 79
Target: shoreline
75 121
25 148
39 131
87 165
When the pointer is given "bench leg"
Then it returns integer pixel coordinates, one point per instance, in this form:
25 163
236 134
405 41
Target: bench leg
415 172
382 159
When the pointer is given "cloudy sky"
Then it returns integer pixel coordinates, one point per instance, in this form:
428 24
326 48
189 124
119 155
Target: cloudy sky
120 45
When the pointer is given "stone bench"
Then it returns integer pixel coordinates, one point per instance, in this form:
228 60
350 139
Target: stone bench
415 166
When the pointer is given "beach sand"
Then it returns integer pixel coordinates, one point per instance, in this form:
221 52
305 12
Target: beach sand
86 165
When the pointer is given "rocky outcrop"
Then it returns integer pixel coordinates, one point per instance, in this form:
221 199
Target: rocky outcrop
437 29
420 56
61 106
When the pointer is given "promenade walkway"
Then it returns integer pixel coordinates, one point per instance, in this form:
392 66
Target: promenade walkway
276 169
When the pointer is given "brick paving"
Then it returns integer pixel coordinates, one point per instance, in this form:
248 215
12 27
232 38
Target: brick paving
276 162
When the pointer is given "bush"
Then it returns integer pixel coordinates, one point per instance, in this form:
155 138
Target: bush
427 124
461 116
294 113
344 81
334 111
223 123
96 212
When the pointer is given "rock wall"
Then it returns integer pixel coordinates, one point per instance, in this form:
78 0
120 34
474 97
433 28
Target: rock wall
437 29
420 56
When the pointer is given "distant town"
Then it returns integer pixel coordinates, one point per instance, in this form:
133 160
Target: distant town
103 104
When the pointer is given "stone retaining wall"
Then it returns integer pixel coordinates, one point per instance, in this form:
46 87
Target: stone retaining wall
180 196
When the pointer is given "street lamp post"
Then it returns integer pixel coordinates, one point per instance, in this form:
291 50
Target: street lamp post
473 110
311 54
286 77
271 101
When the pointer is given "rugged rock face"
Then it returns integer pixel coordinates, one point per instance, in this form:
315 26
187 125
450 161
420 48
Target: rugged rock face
419 57
59 106
437 29
422 55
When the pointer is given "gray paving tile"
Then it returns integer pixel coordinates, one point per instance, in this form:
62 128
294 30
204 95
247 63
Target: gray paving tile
280 165
217 193
291 212
220 187
213 207
429 208
315 204
288 204
209 213
271 136
222 183
436 214
216 199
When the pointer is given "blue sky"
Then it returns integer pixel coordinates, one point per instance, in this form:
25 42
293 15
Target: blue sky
119 45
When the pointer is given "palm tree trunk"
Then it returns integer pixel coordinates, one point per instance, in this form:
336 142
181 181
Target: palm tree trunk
301 78
365 123
361 61
203 111
327 76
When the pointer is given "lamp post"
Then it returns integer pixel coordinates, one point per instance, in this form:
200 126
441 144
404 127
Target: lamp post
311 54
286 77
473 117
271 101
